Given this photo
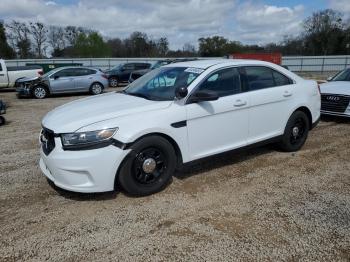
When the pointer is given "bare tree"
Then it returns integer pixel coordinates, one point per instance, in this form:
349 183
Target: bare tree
18 34
56 39
39 33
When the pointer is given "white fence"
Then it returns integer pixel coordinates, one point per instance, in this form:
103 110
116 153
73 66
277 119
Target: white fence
295 63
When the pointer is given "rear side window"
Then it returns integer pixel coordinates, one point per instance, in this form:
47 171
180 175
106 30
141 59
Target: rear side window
224 82
65 73
259 77
281 80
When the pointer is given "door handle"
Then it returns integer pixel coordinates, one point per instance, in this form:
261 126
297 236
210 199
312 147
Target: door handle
287 94
239 103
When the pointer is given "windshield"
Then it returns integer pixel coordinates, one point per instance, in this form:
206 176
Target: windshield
51 72
116 67
160 84
342 76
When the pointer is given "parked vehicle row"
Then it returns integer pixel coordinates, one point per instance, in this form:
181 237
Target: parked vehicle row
63 80
10 75
336 95
136 138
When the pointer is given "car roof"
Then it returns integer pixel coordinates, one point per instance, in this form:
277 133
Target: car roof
75 67
206 63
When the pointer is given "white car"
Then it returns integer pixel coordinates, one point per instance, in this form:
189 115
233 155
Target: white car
335 95
10 75
175 114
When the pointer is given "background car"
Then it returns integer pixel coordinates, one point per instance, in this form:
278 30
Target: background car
121 73
9 75
335 95
138 73
64 80
2 111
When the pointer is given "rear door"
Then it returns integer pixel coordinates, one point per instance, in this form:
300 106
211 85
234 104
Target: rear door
63 81
271 101
3 77
83 79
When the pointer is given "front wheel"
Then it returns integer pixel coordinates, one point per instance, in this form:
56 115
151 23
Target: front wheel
149 166
96 89
296 132
40 92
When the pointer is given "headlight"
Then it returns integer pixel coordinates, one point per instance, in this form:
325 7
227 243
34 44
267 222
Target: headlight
82 139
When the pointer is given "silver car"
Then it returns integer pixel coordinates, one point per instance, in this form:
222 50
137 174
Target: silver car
64 80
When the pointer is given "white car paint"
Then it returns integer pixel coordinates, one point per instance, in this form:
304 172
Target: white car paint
212 127
336 90
8 78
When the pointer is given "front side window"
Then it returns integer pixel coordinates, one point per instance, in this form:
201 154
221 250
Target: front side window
65 73
224 82
161 83
128 67
84 71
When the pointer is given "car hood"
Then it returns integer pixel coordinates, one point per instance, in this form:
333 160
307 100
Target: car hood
27 79
83 112
336 87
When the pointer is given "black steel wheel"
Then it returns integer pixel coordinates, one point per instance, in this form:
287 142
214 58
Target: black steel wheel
149 166
296 132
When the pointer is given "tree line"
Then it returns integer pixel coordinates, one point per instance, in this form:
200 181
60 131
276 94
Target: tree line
324 33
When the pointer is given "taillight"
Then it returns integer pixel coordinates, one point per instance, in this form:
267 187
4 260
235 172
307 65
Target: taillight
40 73
104 76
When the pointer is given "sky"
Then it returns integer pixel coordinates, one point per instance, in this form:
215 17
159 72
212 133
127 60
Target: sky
181 21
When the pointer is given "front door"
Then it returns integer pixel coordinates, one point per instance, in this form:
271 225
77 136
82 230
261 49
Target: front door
221 125
62 81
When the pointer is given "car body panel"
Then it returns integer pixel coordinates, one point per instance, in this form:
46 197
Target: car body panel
207 127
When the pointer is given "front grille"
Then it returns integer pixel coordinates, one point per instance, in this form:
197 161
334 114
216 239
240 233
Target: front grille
334 103
47 139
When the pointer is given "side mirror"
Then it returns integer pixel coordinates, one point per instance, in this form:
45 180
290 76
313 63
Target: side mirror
201 96
181 92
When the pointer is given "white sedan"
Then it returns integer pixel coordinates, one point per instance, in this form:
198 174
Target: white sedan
336 95
135 139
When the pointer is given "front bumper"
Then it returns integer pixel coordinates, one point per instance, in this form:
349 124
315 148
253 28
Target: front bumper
23 91
85 171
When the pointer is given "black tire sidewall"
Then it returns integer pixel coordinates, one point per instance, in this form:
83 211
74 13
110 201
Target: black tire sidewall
126 178
285 144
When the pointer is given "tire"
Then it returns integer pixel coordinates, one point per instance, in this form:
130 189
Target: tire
96 89
2 121
296 132
149 166
40 92
113 82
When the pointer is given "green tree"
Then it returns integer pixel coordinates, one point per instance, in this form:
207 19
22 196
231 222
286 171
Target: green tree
6 52
90 45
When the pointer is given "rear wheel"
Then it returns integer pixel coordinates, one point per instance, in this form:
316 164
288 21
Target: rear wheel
296 132
149 166
113 82
40 92
96 89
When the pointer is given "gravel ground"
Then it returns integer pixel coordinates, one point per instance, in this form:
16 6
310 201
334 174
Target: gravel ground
255 205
